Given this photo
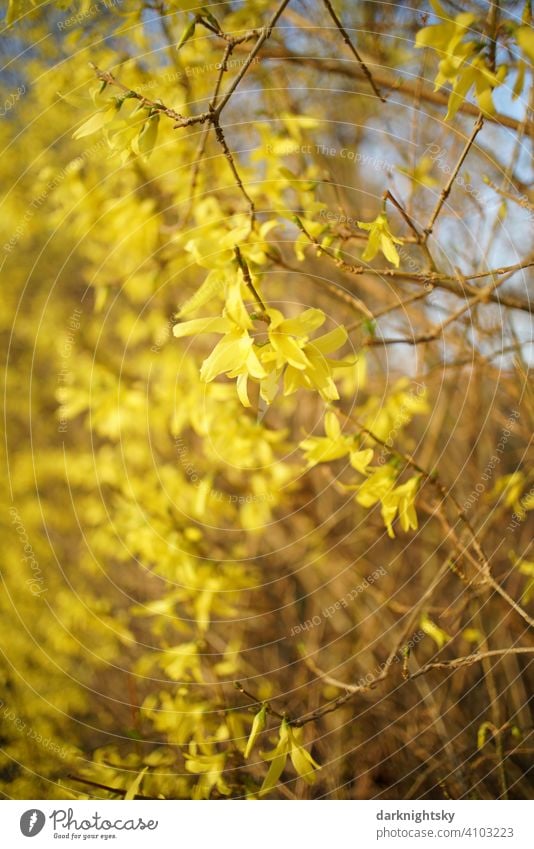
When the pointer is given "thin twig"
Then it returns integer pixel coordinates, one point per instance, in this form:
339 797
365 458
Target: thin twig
479 123
353 689
523 202
469 660
219 135
418 296
434 333
248 277
350 45
391 197
481 564
430 278
264 35
260 702
348 297
206 130
408 86
155 105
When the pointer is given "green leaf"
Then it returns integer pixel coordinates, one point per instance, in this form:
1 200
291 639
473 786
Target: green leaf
257 727
133 734
188 33
134 787
211 18
147 137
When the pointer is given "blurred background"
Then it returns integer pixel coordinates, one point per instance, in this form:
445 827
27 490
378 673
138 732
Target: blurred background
162 541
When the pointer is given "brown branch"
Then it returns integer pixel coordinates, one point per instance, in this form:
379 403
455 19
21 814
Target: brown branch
205 132
474 357
264 35
156 105
346 38
353 689
391 197
348 297
255 701
213 113
523 202
469 660
481 562
248 279
418 296
393 83
443 281
219 135
437 331
479 123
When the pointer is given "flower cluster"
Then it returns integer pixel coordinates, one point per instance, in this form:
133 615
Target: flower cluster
379 485
267 346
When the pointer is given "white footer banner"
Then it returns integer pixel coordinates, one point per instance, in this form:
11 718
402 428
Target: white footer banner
267 825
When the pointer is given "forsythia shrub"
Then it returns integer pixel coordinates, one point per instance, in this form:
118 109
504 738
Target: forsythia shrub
211 434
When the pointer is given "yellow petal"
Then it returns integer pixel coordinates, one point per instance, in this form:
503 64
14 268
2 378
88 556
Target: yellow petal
305 323
95 123
201 325
332 427
229 354
359 460
330 341
242 390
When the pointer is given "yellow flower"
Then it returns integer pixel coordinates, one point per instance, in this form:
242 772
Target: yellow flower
526 567
511 487
235 354
359 460
420 173
429 627
386 417
447 38
401 499
525 39
455 66
302 360
318 373
477 74
282 333
321 449
380 239
288 348
380 486
289 744
376 486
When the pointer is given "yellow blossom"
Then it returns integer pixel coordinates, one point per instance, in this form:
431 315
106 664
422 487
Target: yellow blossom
401 499
380 239
321 449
